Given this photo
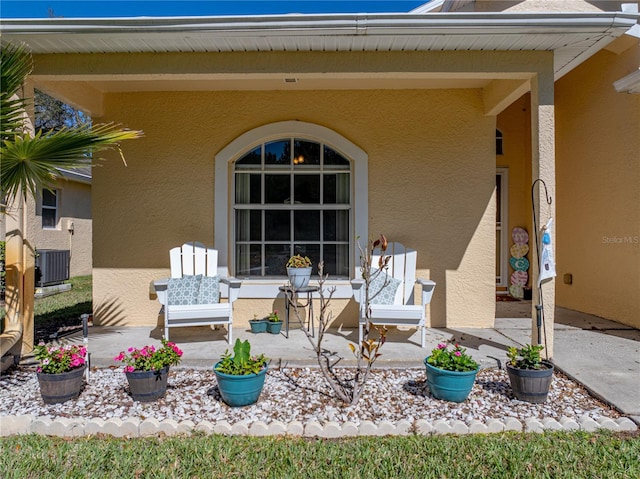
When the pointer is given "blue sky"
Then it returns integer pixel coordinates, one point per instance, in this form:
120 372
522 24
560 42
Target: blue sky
129 8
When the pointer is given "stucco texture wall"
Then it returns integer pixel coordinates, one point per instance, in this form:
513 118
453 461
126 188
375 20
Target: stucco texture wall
74 204
598 198
515 125
431 187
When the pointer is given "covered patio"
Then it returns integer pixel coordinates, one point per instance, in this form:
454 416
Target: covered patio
410 100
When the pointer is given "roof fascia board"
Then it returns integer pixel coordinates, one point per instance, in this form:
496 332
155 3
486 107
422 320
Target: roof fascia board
629 83
75 176
309 25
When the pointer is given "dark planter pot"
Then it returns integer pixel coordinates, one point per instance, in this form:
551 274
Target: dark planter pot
274 327
299 277
146 386
61 387
531 385
451 386
258 325
239 391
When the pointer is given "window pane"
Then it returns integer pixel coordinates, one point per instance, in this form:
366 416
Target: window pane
306 225
277 225
248 225
336 189
334 159
250 159
277 189
48 218
276 259
306 153
306 189
48 198
277 153
336 225
248 260
336 260
310 250
248 188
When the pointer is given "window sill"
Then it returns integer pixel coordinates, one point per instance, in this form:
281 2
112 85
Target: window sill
269 288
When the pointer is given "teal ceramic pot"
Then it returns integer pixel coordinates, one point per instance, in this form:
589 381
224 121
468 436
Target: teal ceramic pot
451 386
274 327
238 391
258 325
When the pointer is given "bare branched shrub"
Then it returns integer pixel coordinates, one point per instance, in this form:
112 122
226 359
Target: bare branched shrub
348 383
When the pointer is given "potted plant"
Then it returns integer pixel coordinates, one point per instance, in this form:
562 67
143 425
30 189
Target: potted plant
147 369
258 325
299 271
529 375
274 323
450 373
241 376
61 372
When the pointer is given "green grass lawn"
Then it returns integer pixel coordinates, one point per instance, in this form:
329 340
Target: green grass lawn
509 455
63 309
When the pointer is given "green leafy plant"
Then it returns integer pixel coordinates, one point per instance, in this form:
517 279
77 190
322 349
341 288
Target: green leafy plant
299 261
455 359
527 357
55 360
273 317
149 358
241 363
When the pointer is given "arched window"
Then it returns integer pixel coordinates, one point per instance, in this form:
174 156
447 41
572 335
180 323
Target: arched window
291 196
296 187
499 143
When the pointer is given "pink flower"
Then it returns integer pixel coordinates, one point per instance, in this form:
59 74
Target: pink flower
119 357
129 369
458 353
442 346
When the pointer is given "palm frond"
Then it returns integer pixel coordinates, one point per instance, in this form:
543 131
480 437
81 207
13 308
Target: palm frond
15 65
30 163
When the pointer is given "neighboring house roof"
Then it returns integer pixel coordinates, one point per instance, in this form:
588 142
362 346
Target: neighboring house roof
573 37
629 84
81 175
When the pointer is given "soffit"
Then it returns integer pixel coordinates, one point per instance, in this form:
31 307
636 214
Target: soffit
572 37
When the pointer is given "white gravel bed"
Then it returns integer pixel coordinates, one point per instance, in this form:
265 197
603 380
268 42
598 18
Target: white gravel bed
299 394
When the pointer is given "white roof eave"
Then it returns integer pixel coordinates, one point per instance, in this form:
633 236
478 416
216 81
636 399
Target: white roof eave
579 34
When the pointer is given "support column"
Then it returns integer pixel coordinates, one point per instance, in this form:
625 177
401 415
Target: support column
543 167
20 267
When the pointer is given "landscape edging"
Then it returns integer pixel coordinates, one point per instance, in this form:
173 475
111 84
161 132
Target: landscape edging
134 427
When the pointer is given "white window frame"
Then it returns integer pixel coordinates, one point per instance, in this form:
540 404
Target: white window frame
55 208
224 169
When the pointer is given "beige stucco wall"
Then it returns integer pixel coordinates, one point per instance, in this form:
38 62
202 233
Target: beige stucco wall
598 197
74 204
431 187
515 125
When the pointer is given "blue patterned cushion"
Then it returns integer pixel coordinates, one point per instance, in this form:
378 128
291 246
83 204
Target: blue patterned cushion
209 292
181 291
387 293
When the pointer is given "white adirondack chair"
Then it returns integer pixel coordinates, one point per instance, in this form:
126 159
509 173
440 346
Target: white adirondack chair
192 259
402 311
